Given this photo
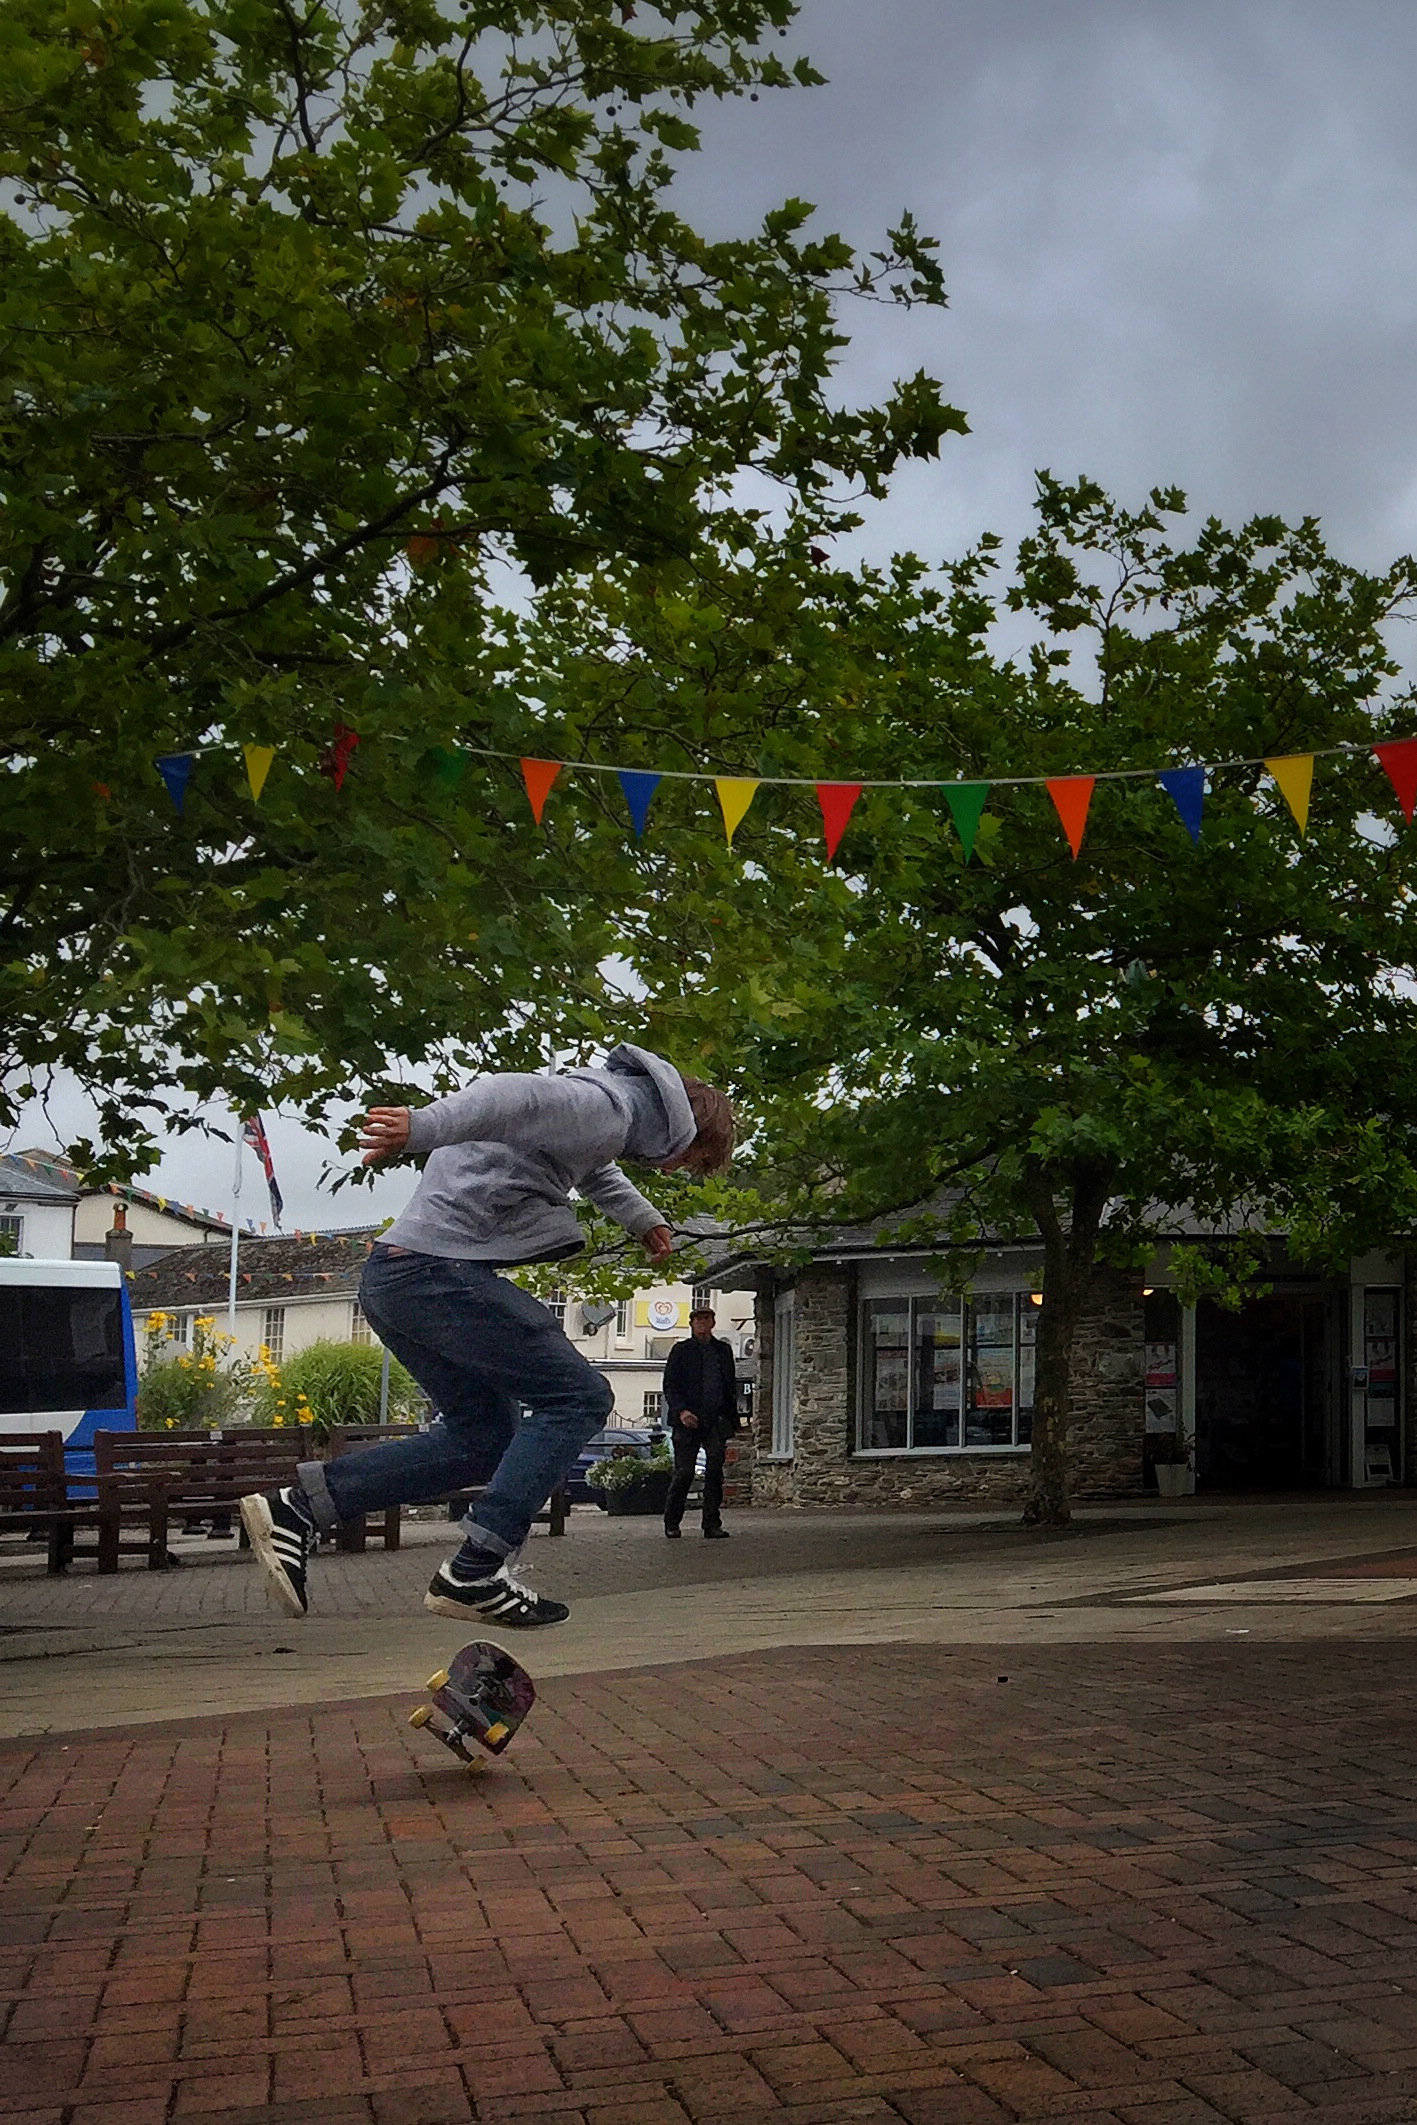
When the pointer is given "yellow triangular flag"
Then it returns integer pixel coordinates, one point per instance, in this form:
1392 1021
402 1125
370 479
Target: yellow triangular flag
1295 776
734 796
258 766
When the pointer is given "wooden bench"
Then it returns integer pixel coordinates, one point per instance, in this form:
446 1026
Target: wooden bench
352 1534
34 1495
151 1476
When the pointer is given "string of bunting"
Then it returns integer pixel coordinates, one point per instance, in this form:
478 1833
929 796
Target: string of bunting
1071 795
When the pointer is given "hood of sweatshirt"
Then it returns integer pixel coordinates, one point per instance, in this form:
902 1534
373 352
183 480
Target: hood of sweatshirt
662 1121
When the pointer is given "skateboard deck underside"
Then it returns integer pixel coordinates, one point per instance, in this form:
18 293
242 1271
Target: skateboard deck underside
480 1698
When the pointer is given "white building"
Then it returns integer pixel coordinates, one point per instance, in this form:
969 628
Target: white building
37 1209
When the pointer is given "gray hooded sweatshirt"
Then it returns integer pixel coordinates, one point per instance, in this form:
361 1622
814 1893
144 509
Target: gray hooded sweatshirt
503 1156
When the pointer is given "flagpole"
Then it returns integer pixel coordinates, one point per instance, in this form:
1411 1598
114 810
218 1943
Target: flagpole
235 1231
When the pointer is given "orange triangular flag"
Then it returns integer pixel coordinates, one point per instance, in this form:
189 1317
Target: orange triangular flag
838 800
1295 776
1071 795
1400 760
258 766
538 775
735 794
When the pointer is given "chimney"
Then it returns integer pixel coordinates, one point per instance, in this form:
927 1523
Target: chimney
118 1241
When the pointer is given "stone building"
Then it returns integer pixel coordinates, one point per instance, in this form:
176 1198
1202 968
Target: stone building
875 1387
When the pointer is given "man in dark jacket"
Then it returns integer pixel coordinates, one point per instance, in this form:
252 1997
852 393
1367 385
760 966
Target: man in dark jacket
701 1395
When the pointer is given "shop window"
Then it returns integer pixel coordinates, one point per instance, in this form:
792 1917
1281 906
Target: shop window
946 1377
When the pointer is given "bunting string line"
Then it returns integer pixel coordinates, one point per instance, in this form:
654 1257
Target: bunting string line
966 800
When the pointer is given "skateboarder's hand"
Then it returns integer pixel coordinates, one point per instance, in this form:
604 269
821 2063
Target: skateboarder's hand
659 1240
384 1134
689 1421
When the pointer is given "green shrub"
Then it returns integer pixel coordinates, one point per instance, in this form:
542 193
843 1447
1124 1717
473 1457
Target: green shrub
625 1468
338 1383
188 1390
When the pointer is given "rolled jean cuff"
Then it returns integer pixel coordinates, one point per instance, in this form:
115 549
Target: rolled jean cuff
473 1531
310 1475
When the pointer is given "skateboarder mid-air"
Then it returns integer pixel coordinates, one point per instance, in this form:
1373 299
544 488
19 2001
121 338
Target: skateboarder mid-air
501 1159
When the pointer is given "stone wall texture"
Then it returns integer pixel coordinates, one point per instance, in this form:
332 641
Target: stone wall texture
1107 1410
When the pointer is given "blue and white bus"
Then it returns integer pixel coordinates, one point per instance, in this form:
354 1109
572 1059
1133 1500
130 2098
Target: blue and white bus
67 1359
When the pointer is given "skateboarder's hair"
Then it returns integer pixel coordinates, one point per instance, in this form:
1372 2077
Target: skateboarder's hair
712 1148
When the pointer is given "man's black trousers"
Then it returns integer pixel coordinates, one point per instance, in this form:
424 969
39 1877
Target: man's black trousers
686 1454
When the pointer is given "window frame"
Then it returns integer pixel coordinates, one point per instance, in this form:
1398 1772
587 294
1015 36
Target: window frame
274 1344
784 1367
915 1303
654 1419
360 1330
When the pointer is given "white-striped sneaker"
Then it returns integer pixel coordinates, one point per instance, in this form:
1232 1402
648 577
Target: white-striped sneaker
280 1543
501 1599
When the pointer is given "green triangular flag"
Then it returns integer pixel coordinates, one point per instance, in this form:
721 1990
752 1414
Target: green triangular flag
966 801
448 766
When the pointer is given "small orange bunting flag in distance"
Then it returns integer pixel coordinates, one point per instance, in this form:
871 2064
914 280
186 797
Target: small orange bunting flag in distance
838 800
1295 777
735 794
538 775
1400 760
1071 795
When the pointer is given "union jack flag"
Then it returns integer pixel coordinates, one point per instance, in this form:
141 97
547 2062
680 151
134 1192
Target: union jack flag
253 1134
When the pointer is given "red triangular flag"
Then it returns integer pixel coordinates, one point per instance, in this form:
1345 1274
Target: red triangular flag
838 800
538 775
1071 795
1400 761
335 763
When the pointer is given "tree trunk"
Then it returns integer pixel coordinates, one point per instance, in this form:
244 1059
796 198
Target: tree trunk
1069 1255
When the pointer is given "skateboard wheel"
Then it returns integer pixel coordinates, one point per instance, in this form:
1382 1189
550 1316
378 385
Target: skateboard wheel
435 1682
421 1717
496 1732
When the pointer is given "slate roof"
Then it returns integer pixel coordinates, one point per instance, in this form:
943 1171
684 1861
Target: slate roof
269 1271
23 1174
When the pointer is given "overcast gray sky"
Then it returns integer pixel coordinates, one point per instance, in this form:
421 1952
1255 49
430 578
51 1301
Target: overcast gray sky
1180 241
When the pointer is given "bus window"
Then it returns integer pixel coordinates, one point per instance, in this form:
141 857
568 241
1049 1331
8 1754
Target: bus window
61 1348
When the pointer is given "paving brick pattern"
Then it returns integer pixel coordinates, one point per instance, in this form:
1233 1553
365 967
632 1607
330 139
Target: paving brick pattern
822 1887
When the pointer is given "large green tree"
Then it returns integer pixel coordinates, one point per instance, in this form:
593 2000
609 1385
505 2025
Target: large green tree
1018 1043
320 323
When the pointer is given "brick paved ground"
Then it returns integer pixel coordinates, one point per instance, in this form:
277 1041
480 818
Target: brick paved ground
1136 1886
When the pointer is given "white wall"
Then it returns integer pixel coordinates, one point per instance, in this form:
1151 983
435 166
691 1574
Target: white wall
149 1226
47 1229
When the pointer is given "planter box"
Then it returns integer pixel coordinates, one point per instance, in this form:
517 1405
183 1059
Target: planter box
649 1495
1173 1479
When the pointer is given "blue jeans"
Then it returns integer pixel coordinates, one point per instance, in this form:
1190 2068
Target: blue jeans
479 1346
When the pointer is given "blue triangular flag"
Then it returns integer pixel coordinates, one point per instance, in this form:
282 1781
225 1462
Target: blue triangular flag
639 787
176 771
1186 788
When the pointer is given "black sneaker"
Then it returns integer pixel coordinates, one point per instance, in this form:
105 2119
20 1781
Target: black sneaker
501 1599
672 1532
280 1543
715 1534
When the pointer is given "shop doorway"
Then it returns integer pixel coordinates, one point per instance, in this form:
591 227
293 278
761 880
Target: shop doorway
1264 1394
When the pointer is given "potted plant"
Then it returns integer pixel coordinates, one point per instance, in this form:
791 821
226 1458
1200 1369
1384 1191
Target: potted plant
1171 1459
631 1482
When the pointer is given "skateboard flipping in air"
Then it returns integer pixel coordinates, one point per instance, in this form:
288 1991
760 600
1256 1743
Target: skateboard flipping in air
482 1696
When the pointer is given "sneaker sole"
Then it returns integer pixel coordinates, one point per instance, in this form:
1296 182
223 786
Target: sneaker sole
444 1605
259 1526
